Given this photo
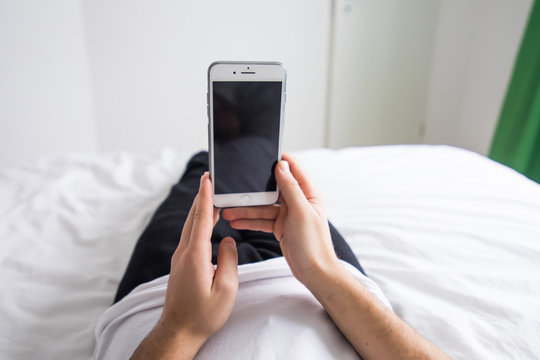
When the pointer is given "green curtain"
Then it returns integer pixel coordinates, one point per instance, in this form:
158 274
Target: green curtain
517 139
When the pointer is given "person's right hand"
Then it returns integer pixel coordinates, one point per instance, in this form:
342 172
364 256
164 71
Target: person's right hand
299 223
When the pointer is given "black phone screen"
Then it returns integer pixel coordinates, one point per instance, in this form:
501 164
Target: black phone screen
246 135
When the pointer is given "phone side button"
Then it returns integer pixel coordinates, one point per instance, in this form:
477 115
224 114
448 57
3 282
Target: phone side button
244 200
209 139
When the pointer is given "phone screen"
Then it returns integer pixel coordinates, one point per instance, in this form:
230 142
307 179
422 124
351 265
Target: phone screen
246 135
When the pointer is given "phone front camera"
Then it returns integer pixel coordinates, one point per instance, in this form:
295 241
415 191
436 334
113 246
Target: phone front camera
234 72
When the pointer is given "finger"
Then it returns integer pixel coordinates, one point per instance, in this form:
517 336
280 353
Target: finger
301 177
217 211
216 215
188 224
289 187
278 230
203 218
253 225
257 212
226 276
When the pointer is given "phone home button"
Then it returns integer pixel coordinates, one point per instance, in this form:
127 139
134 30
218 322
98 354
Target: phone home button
245 199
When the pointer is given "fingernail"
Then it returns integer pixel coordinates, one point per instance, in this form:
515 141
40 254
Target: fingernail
229 241
202 179
284 165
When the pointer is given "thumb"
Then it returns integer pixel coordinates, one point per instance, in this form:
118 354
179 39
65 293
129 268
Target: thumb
226 276
288 185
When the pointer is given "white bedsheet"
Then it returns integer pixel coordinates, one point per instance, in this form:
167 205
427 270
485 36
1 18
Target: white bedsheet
451 237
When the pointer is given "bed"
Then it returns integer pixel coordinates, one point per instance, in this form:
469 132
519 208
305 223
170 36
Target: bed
452 238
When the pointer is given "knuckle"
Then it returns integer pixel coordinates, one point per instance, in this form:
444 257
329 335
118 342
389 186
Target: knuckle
228 285
292 181
200 215
197 216
300 216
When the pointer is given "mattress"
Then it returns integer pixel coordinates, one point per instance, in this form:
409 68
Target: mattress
452 238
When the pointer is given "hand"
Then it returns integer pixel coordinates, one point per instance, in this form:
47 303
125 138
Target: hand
299 223
199 299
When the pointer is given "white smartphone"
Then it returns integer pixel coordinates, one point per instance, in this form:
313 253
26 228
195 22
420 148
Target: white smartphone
246 103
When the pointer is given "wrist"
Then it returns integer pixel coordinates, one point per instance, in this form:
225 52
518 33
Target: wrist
323 276
181 334
167 342
334 288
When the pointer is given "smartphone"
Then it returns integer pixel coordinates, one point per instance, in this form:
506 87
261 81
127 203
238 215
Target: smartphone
246 103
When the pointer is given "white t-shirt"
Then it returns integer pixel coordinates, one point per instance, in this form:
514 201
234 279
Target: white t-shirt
274 317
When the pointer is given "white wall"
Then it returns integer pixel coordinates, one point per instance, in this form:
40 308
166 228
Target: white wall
131 75
382 52
149 63
45 93
475 47
432 71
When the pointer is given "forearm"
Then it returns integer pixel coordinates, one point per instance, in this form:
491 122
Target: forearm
163 344
373 330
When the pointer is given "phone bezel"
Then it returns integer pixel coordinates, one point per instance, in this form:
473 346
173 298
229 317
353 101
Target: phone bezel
245 71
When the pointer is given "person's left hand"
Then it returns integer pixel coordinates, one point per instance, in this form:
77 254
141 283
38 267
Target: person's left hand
199 298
